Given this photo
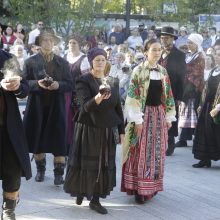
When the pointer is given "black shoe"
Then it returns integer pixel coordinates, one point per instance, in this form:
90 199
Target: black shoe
98 207
170 150
79 200
181 144
203 163
139 199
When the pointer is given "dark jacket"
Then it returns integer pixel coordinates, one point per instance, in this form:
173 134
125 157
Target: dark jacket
13 121
46 131
106 115
176 68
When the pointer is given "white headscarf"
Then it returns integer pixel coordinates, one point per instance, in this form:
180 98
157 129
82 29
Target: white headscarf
197 39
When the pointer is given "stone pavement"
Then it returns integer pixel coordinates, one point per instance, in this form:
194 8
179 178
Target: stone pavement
189 193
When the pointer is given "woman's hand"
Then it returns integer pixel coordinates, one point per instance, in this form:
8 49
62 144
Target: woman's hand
100 97
54 86
169 125
41 84
122 137
214 112
10 85
138 129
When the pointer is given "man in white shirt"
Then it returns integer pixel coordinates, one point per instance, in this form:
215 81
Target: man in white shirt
213 36
33 34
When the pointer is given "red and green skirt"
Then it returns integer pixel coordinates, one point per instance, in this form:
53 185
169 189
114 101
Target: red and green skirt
143 171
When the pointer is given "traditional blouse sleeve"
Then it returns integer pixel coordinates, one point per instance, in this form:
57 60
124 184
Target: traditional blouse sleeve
133 108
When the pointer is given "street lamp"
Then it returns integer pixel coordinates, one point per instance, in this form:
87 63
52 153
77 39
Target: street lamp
128 11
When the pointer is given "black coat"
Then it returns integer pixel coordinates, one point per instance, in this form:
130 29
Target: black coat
14 123
176 69
46 135
106 115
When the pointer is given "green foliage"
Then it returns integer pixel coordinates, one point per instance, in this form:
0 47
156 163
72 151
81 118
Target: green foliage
66 14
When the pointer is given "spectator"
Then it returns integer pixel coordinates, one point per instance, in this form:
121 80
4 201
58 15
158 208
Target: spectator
36 32
113 45
118 34
19 52
143 33
213 36
8 39
182 39
209 65
116 69
207 41
19 33
1 35
135 39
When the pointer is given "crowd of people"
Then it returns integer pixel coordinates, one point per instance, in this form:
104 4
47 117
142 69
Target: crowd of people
142 92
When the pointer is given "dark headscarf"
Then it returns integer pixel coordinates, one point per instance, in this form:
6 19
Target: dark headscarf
94 52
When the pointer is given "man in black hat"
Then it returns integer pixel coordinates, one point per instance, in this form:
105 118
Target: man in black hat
14 156
49 79
174 61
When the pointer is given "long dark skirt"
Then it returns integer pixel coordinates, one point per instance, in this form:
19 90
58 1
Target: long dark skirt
206 144
91 166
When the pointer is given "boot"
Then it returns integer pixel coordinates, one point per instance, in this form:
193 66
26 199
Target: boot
58 173
41 167
8 209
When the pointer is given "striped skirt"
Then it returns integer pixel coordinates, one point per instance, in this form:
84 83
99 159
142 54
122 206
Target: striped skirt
143 171
187 115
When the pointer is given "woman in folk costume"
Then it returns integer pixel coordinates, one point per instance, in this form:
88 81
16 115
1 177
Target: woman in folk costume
149 110
206 146
79 65
91 168
193 86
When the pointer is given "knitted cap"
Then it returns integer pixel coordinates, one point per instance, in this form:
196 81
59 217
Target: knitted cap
94 52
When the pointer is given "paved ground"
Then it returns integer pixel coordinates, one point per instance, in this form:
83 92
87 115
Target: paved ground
189 193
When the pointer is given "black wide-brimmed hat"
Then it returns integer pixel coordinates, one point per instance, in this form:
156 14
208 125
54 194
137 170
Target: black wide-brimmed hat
168 31
49 32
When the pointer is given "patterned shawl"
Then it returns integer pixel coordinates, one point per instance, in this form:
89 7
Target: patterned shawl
136 99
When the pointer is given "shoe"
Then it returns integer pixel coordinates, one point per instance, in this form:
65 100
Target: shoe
170 150
203 163
79 200
139 199
181 144
98 207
